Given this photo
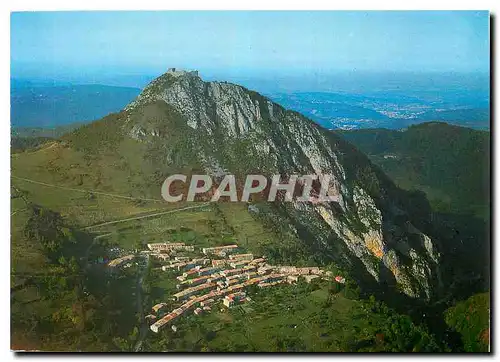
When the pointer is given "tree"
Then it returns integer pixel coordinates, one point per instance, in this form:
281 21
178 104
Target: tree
138 245
47 228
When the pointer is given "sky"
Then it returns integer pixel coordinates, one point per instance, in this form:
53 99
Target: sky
49 43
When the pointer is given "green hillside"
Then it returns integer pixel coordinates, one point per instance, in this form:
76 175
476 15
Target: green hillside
90 310
94 194
450 164
95 175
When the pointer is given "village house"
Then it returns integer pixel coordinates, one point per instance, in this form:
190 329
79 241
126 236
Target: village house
164 246
207 302
236 276
315 270
232 282
251 275
201 261
229 272
239 263
119 261
269 284
233 299
157 326
241 257
214 278
193 290
159 256
265 269
191 272
207 271
156 308
198 311
184 247
178 266
340 279
257 261
199 280
217 249
310 278
167 267
219 262
287 269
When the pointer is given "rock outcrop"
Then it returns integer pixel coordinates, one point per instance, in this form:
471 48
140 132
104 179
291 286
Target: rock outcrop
230 129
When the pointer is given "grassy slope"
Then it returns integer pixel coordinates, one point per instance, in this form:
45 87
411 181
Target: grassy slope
99 157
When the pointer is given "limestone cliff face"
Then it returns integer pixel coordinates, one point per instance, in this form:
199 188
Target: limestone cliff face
230 129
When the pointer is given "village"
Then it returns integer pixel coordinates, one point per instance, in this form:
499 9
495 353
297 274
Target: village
218 275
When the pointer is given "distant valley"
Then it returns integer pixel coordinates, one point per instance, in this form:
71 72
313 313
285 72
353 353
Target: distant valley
48 105
386 110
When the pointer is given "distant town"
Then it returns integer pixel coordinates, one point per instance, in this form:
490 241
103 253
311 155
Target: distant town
215 275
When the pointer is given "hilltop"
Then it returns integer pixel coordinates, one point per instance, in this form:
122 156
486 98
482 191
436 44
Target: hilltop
111 171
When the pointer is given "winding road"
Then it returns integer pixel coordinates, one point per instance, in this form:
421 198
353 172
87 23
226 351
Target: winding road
84 190
143 329
146 216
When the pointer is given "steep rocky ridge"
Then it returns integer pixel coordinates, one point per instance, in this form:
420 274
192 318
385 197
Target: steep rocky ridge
225 128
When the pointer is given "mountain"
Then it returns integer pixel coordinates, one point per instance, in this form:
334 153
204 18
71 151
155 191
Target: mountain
451 166
49 105
103 176
179 122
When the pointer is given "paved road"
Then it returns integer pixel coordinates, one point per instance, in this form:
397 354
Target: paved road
146 216
144 328
85 191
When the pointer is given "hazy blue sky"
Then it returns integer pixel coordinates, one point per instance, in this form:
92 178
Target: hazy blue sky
252 42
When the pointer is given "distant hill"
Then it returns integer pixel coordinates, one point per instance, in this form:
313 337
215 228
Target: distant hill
449 163
25 138
45 105
20 144
51 132
477 118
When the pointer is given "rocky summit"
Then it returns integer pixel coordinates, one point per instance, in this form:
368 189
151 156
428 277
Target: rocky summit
374 231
